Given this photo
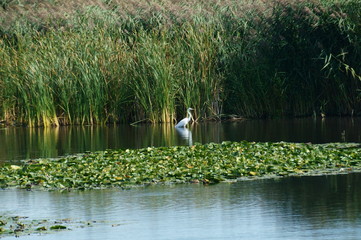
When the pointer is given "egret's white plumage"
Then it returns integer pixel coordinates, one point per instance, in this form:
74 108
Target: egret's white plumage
185 120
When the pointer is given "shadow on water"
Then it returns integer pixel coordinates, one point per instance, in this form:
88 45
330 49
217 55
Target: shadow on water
321 200
23 143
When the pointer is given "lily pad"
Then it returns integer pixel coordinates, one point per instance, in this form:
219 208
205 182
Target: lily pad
58 227
19 225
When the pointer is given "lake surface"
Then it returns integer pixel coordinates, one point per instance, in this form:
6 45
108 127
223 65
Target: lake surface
324 207
327 207
24 143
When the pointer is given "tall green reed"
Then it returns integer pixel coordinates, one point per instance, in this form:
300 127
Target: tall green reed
96 74
104 65
27 92
151 76
279 63
199 82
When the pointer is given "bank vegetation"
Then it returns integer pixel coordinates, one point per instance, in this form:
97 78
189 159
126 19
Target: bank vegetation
92 62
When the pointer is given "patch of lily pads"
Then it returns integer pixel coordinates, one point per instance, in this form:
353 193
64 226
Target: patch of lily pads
208 163
20 226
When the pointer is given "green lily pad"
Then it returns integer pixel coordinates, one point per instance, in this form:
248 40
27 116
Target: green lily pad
58 227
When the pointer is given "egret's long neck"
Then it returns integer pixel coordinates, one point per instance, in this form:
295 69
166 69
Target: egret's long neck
190 115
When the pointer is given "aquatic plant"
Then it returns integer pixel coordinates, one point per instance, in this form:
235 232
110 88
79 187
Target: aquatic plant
23 225
209 163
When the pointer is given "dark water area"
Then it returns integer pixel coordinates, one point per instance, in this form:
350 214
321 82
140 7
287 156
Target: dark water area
17 143
323 207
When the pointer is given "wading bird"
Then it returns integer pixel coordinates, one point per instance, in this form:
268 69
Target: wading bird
186 120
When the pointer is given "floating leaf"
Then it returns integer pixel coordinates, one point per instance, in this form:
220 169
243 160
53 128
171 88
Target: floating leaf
41 228
15 167
57 227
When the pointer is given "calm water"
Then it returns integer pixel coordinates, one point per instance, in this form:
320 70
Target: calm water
25 143
327 207
290 208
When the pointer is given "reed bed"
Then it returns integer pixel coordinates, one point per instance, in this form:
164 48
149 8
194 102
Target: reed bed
135 61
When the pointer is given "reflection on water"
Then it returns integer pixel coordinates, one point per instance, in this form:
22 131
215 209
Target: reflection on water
325 207
24 143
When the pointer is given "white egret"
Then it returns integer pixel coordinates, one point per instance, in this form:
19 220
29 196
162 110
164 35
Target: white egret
185 120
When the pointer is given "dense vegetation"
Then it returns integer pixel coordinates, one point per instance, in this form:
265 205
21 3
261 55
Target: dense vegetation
84 62
210 163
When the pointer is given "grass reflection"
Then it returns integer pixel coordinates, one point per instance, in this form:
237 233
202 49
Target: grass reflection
18 143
